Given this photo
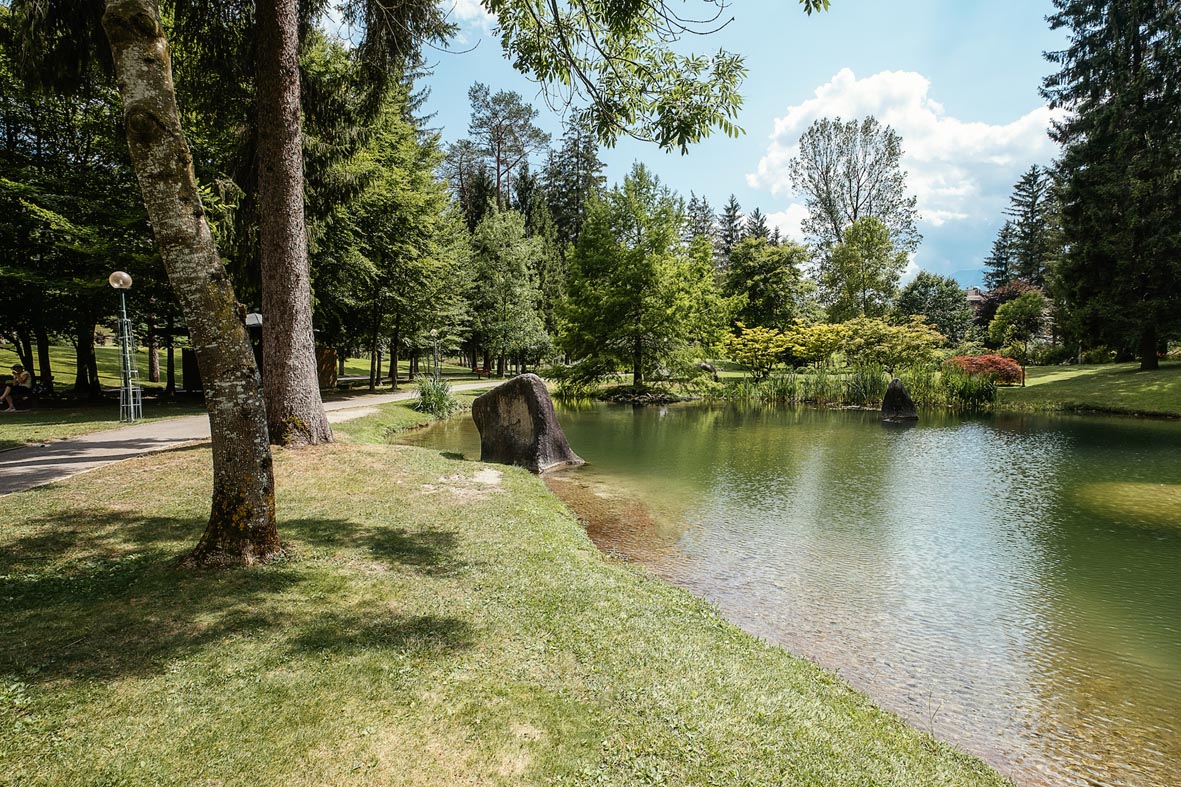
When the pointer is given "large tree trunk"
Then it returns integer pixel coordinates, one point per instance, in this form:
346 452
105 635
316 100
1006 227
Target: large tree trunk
1148 359
153 355
241 526
395 350
295 412
24 350
637 363
43 363
86 382
170 362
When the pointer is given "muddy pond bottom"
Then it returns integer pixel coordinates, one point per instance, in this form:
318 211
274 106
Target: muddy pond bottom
1011 584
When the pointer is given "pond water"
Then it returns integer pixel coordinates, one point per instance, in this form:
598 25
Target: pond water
1011 584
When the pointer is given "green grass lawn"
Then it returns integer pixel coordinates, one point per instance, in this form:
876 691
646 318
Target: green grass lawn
437 622
1114 388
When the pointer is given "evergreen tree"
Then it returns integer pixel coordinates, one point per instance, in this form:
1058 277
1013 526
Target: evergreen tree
550 266
572 176
756 226
1121 195
1031 214
999 265
699 220
504 129
504 294
730 226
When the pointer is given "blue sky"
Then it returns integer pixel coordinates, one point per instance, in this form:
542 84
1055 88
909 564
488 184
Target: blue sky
958 79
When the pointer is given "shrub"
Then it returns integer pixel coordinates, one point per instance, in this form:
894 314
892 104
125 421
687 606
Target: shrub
1051 354
1100 354
757 348
434 397
997 368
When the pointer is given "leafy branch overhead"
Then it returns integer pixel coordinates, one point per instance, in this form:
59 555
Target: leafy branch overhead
618 56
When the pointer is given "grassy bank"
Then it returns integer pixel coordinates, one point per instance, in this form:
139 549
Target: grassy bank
438 623
1111 388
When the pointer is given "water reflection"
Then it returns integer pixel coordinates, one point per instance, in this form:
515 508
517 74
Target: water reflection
972 574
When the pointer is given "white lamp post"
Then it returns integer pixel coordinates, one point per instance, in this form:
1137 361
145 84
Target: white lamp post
130 394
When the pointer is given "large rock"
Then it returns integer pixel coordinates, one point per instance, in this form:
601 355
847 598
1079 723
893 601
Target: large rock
518 426
897 405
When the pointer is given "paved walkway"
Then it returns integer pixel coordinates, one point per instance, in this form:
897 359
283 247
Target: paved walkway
34 465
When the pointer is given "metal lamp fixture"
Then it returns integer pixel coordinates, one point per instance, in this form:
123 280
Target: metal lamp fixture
131 401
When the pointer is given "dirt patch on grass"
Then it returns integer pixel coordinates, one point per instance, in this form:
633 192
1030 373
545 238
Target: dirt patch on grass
468 488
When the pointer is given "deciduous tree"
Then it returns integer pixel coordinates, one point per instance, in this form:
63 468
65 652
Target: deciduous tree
860 277
850 170
940 301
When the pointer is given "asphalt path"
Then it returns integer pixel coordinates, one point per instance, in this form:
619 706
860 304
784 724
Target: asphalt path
36 465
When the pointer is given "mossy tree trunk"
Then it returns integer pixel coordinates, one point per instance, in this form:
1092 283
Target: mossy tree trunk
295 411
241 525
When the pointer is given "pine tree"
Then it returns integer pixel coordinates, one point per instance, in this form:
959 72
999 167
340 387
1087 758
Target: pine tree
699 219
999 266
1121 196
730 225
756 226
1030 212
573 174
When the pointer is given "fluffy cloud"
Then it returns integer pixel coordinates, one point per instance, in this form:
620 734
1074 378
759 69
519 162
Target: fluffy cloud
470 15
958 169
789 221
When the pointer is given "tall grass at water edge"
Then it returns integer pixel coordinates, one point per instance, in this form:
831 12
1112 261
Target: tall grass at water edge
863 385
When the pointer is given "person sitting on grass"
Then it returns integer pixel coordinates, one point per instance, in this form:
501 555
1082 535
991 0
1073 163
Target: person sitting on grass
18 386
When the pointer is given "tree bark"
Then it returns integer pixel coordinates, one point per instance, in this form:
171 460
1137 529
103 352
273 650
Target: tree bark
85 380
637 363
295 411
1148 360
170 362
153 355
43 361
24 350
241 527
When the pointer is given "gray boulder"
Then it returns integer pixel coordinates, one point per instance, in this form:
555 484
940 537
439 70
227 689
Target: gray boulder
518 426
897 404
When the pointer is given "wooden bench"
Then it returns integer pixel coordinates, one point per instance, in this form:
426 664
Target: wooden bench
485 372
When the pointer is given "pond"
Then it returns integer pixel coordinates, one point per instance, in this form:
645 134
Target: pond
1011 584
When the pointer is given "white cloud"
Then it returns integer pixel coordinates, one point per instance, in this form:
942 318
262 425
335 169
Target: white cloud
470 15
789 221
958 169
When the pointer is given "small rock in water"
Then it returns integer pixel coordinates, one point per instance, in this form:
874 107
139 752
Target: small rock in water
897 404
518 426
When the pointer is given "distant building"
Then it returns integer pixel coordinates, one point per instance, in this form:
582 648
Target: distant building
975 297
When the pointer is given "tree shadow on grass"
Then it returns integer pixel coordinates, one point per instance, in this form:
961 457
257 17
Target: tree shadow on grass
431 552
351 631
101 598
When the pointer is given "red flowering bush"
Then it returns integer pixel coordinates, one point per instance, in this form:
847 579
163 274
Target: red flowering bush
998 367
